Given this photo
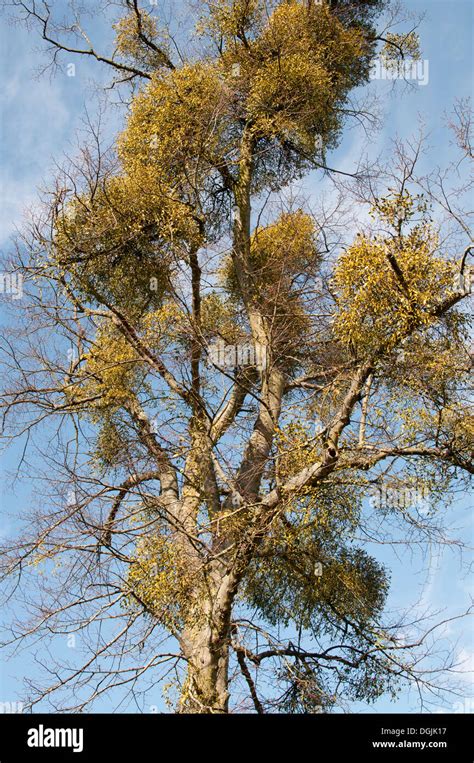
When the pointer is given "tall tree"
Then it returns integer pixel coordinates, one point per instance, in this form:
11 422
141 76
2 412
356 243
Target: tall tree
187 324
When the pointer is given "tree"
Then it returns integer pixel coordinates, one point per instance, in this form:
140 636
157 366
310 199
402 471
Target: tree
187 325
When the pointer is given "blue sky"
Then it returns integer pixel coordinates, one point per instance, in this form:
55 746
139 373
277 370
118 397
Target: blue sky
40 119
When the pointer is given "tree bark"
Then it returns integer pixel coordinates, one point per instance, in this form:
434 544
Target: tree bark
206 686
205 643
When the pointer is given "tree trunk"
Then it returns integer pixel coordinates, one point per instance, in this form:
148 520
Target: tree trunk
205 641
206 686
